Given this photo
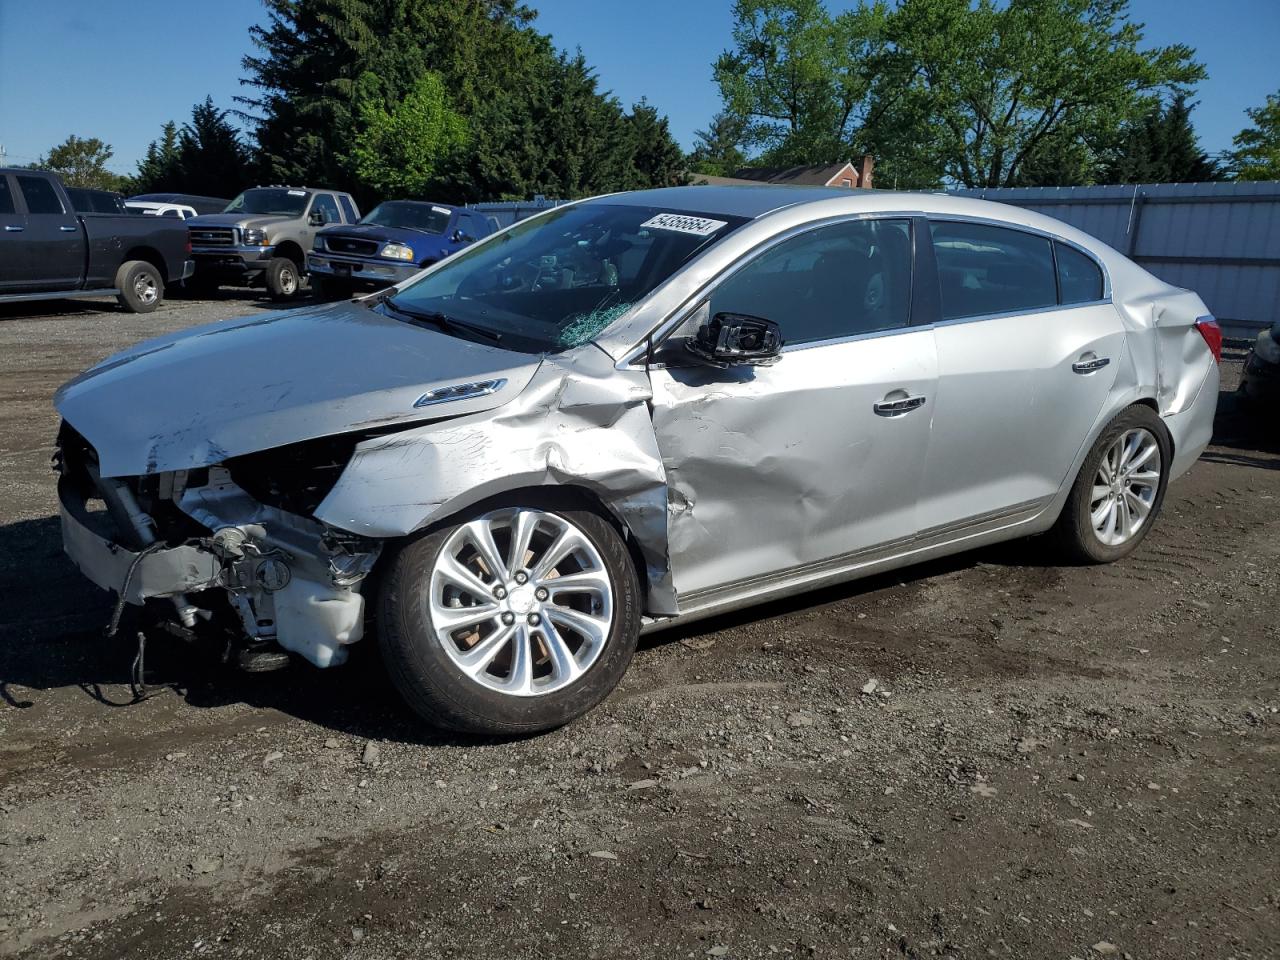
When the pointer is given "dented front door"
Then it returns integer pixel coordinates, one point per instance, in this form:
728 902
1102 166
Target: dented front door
775 468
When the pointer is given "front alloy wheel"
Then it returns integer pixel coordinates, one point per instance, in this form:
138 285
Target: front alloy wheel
521 601
516 618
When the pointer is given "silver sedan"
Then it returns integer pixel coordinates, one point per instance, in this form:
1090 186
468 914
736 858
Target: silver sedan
631 412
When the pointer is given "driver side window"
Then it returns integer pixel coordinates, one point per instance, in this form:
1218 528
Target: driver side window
328 207
833 282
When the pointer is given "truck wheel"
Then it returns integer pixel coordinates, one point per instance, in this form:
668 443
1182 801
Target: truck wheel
141 286
282 278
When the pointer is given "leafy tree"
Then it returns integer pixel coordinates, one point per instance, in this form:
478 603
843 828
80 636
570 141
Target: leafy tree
403 151
976 92
82 162
718 150
798 81
1257 148
1161 147
158 169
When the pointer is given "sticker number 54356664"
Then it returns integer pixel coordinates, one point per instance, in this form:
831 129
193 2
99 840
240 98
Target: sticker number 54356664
683 223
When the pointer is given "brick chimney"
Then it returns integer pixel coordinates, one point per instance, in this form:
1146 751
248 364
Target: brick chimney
865 170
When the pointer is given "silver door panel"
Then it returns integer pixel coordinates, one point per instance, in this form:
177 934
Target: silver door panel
1011 411
770 468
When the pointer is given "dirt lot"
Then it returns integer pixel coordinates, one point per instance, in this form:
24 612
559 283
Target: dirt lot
1057 762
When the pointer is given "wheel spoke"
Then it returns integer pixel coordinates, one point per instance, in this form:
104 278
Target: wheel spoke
454 618
477 659
594 581
1138 507
1147 478
521 675
562 659
1100 491
594 629
1101 517
522 527
480 533
568 541
450 569
1125 520
1147 452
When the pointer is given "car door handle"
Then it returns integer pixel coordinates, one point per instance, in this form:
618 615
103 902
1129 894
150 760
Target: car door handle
66 229
10 228
1088 366
900 405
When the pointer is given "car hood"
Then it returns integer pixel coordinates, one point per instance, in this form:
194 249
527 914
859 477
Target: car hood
226 389
237 220
371 231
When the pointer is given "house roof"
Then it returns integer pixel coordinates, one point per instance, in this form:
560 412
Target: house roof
815 175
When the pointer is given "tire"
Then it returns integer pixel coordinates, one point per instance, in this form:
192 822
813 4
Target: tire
141 286
283 278
327 288
1087 531
490 695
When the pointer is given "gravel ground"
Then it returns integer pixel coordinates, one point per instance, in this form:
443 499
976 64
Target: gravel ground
987 756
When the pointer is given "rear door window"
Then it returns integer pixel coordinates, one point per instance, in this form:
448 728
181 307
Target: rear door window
348 209
985 270
1079 277
40 196
6 196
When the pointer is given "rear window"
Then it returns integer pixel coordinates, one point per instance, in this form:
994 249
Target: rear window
1079 277
40 196
984 270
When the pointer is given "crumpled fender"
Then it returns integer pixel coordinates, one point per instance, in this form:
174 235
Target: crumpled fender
580 422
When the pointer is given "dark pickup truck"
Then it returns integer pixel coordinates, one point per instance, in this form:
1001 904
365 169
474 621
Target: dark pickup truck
49 252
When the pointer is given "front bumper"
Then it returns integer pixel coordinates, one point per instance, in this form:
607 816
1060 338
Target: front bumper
158 573
281 576
231 261
360 270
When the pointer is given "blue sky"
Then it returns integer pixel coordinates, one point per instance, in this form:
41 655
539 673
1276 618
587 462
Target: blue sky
123 67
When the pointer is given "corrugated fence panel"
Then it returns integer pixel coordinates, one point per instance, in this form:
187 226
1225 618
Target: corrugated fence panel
1220 239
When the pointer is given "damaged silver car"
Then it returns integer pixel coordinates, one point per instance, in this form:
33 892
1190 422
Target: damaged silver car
631 412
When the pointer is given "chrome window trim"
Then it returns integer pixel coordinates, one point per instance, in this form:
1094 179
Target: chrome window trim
682 313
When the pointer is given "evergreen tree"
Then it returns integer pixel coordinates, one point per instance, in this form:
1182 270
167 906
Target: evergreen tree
656 159
1161 147
211 159
717 150
158 170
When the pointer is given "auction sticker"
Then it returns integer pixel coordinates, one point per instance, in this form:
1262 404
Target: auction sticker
682 223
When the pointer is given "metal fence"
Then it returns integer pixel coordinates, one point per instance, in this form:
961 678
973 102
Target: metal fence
507 212
1221 240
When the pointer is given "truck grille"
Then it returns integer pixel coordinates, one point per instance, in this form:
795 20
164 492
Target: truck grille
213 236
361 248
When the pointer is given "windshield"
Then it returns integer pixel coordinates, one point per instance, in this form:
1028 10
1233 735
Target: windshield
270 201
412 216
557 281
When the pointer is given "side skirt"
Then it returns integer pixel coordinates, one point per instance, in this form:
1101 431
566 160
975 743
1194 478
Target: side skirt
1022 520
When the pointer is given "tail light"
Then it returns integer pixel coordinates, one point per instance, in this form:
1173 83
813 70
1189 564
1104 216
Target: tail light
188 243
1212 334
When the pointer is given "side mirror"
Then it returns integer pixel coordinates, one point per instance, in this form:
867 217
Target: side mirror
317 218
735 339
460 237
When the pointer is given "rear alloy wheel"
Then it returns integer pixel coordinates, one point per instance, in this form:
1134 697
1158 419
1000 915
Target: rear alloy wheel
283 278
1120 489
141 286
514 620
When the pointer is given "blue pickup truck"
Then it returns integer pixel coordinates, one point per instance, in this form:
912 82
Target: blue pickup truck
392 243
